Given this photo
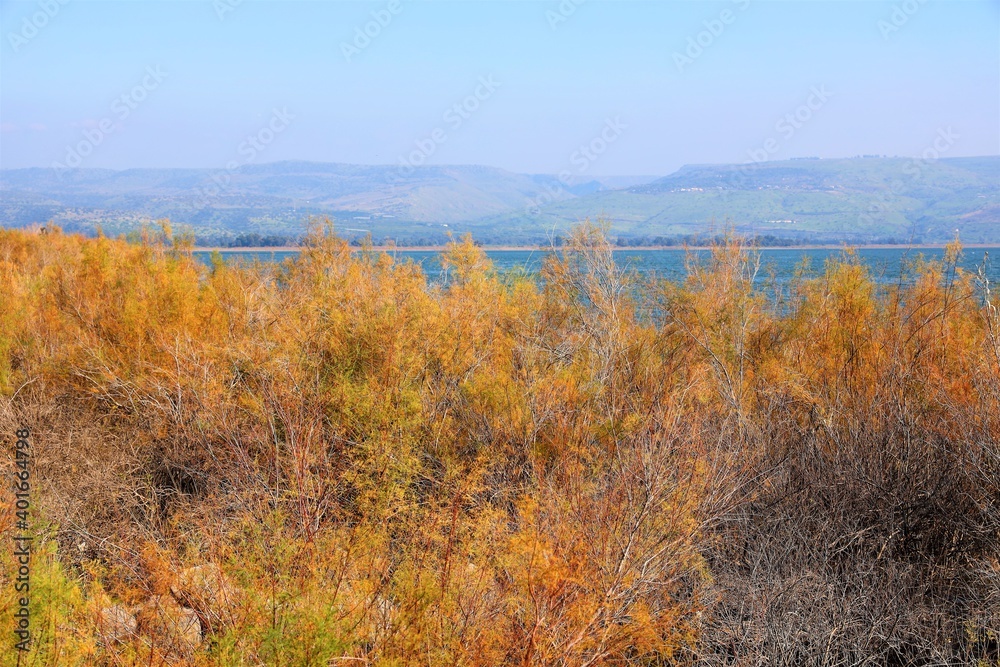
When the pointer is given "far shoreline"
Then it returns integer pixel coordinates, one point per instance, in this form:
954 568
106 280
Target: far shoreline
511 248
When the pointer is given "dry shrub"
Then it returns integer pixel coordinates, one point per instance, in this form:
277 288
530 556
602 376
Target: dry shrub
581 468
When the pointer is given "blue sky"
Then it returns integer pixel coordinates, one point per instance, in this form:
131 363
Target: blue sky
771 78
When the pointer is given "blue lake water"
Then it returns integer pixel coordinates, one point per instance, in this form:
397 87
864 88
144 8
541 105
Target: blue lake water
885 263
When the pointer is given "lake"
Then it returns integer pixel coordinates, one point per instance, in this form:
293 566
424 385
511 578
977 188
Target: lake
669 263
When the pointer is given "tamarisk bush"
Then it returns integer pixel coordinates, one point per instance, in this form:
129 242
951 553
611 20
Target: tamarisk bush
582 467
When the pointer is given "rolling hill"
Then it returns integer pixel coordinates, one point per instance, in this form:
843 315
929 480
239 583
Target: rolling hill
858 199
808 200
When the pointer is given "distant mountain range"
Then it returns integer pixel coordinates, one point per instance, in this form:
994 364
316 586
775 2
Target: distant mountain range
806 200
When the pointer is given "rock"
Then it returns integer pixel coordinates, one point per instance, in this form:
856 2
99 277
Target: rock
171 628
116 624
207 590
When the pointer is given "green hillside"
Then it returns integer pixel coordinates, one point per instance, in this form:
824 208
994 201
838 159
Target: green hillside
807 200
859 199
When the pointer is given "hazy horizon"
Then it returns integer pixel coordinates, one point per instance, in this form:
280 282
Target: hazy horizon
264 163
594 88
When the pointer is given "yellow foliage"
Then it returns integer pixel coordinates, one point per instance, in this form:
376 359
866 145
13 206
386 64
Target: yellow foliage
494 470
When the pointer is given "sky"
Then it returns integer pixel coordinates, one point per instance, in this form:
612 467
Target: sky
642 87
